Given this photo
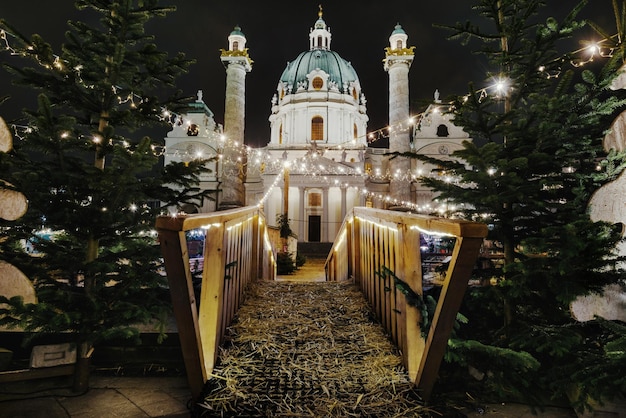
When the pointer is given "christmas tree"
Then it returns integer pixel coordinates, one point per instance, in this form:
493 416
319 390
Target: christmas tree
94 184
536 159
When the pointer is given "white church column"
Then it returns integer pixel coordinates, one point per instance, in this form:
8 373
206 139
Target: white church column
301 214
343 202
397 63
325 215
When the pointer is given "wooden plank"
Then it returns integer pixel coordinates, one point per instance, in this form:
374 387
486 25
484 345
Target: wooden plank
393 236
32 374
255 249
456 227
174 250
356 246
409 270
388 282
212 296
221 217
463 259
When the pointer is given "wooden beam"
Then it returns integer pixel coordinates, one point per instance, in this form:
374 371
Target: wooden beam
410 271
174 249
31 374
463 259
212 297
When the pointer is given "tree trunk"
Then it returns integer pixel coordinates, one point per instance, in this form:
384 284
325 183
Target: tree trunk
83 365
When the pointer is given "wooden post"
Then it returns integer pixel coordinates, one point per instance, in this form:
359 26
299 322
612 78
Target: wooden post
463 258
174 249
212 296
409 270
356 247
257 248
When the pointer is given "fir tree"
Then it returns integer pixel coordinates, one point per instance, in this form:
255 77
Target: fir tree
91 179
536 158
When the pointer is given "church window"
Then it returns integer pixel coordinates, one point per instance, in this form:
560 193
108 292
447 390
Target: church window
235 45
317 128
193 130
356 131
442 130
317 83
280 134
398 44
282 94
354 94
315 200
319 41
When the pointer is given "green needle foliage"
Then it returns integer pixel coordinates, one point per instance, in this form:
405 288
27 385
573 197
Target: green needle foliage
536 160
91 178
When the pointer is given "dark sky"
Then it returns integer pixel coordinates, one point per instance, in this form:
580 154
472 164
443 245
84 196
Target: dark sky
277 31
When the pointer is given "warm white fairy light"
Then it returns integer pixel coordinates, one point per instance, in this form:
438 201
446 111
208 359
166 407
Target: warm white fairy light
263 160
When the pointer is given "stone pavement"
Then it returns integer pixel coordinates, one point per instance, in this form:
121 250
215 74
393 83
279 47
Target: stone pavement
513 410
108 396
135 397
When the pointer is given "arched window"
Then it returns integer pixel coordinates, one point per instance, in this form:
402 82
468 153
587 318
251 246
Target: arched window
317 83
317 128
354 94
356 131
235 45
280 134
442 130
319 41
398 44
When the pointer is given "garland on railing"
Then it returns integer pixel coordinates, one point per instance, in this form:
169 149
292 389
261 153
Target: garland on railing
426 306
412 298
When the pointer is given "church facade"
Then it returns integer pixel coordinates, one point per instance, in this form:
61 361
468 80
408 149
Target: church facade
317 164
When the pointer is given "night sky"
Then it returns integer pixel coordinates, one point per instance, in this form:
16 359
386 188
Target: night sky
277 32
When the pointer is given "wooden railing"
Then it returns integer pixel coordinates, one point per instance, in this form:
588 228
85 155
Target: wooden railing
237 251
380 251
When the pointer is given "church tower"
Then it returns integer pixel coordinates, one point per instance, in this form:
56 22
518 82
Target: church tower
398 59
237 63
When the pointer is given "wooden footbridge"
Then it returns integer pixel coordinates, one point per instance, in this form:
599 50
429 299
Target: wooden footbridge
376 251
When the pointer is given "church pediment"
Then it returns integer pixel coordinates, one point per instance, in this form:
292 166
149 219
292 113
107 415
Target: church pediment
314 164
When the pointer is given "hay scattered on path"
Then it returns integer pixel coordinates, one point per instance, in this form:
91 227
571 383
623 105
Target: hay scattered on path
308 350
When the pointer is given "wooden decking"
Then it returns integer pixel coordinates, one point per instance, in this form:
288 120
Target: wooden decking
299 348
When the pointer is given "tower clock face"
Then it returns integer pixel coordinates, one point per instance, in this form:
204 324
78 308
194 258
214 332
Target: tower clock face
443 149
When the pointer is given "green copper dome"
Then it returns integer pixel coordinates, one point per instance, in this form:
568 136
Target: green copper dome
398 29
237 31
339 70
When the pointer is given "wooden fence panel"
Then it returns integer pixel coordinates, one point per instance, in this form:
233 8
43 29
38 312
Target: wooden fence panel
237 249
389 241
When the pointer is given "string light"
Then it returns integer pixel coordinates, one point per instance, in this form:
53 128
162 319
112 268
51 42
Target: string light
264 162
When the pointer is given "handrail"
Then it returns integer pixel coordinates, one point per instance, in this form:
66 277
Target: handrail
372 242
237 251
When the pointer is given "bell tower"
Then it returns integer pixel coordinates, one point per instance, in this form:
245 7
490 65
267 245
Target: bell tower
237 63
397 62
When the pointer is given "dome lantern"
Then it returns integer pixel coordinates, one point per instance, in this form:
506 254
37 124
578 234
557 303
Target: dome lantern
319 37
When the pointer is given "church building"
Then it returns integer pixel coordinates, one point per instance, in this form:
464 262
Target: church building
317 164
